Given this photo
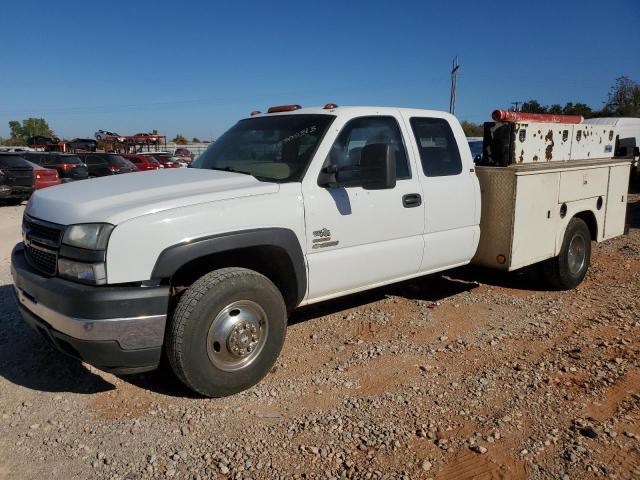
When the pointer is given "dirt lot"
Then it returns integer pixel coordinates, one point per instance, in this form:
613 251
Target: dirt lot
466 375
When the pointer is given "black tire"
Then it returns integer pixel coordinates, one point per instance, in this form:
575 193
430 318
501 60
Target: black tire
214 299
564 272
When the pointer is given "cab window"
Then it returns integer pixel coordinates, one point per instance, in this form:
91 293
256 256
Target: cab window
438 148
360 132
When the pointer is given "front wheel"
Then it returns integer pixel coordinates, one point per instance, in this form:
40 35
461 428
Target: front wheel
227 331
567 270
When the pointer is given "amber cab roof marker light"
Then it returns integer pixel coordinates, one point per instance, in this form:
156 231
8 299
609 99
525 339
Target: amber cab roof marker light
284 108
255 112
330 106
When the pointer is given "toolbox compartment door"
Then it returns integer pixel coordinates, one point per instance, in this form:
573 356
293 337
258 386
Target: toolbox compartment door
584 183
616 201
536 219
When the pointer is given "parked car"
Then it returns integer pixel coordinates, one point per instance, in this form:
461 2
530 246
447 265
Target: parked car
476 149
68 165
103 134
44 177
41 140
104 164
184 154
5 188
166 160
152 141
17 178
86 144
143 162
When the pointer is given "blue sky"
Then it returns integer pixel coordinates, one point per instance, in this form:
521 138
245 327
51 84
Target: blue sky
196 67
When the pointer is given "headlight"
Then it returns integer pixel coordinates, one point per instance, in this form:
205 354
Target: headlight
92 236
93 273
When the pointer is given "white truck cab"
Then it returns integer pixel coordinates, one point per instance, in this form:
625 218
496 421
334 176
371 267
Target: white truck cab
288 208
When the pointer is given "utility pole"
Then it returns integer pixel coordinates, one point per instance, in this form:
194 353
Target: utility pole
454 78
515 106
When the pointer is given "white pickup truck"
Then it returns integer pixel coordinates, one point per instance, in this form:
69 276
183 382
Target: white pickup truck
289 208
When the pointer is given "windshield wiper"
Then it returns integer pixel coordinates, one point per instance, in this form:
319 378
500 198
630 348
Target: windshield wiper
231 169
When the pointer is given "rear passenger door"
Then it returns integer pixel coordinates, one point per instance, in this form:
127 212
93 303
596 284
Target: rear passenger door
450 189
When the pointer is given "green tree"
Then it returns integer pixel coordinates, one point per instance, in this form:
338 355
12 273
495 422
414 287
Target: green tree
554 109
624 99
533 106
195 140
29 127
180 140
578 109
472 129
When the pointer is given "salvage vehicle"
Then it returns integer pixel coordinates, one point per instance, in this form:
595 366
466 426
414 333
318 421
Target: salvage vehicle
143 162
106 164
83 144
294 207
17 178
44 177
68 165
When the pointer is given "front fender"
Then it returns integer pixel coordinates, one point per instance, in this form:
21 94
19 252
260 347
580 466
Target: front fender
175 256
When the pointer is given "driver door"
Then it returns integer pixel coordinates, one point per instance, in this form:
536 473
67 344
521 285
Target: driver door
359 238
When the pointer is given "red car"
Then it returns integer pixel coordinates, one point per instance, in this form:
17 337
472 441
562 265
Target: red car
143 161
44 177
165 160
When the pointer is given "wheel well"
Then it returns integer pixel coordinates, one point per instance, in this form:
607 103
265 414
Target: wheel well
590 219
271 261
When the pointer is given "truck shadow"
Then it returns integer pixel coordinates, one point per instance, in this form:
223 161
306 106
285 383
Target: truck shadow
27 360
633 214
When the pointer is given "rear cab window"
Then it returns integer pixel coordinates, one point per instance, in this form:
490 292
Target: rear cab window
439 153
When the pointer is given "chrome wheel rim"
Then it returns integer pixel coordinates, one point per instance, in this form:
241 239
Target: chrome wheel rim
237 335
577 254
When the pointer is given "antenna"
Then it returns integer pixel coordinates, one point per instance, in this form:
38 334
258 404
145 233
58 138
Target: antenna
454 78
516 105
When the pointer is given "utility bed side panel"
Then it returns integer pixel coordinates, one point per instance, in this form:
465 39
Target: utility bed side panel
536 219
498 193
616 209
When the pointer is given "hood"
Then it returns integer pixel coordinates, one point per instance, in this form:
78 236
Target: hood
119 198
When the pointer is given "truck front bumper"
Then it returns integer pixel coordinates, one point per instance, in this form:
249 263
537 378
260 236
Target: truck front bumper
117 329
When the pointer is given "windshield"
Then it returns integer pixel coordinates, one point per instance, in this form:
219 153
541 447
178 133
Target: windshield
276 148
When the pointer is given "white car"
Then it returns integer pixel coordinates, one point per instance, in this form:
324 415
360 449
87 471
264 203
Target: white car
104 134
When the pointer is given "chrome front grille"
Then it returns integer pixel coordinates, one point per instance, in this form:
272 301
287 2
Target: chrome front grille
42 242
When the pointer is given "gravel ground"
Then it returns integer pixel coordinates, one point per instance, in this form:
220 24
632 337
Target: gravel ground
466 375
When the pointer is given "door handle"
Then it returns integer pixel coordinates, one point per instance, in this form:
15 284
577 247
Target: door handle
411 200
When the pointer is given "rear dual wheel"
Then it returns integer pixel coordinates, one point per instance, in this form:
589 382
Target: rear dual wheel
568 269
227 331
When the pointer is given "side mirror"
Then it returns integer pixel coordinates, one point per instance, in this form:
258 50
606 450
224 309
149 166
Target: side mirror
378 166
